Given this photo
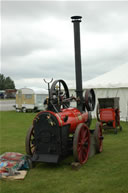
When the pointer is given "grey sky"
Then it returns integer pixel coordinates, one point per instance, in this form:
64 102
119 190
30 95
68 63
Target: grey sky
37 39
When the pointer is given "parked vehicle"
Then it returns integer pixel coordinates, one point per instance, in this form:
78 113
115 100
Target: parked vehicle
10 93
2 94
108 113
28 99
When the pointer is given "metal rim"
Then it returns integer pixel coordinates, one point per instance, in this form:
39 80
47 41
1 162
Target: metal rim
81 143
29 142
98 137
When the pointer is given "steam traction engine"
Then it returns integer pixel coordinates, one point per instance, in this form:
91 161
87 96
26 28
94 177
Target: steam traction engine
61 129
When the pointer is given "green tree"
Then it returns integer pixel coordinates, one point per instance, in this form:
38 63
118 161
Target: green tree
2 82
9 84
6 83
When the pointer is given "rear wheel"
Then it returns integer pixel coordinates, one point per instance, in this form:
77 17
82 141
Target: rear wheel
24 110
81 143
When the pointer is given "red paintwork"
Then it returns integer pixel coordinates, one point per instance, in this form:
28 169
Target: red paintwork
74 117
110 115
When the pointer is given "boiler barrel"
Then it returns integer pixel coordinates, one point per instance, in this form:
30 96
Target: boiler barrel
70 116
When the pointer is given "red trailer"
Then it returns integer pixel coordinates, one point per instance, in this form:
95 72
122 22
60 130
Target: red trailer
108 113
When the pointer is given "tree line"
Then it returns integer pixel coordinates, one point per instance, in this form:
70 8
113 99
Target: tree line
6 83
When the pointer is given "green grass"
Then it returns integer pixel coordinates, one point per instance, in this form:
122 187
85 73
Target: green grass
103 173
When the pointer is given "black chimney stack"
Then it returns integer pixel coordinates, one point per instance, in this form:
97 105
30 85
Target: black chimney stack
79 91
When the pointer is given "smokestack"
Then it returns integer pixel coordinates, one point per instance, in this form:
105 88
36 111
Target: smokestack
79 91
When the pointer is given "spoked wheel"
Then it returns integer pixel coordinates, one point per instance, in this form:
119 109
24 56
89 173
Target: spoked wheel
90 99
81 143
59 89
29 143
98 137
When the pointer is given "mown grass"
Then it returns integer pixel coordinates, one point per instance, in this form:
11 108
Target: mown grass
106 172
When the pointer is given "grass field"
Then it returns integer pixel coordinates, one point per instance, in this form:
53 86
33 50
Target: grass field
104 173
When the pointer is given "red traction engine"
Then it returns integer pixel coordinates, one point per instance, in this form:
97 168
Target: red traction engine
108 113
61 129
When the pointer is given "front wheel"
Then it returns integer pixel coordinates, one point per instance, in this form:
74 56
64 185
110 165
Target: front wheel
18 110
30 142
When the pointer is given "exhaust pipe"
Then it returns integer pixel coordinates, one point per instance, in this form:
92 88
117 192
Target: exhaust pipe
79 91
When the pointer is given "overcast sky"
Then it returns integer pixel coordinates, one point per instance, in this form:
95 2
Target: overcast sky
37 39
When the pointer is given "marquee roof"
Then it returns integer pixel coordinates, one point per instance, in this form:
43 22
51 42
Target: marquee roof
117 78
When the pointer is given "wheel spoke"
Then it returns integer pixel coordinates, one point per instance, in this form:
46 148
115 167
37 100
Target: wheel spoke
80 156
86 139
79 148
85 133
